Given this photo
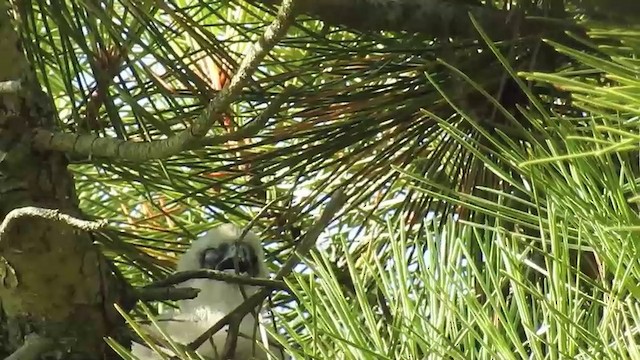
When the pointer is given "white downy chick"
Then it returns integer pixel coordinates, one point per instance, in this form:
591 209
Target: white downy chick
219 249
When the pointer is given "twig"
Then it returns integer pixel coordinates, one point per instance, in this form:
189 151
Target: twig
183 276
257 217
256 125
91 145
165 293
337 201
241 310
229 350
304 246
34 345
50 214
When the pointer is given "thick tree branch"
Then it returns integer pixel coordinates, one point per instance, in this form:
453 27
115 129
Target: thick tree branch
50 214
437 18
91 145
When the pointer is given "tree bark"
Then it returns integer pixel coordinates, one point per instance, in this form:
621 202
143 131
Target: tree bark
437 18
55 283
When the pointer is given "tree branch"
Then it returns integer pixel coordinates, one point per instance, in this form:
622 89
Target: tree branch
165 293
253 127
183 276
34 345
50 214
437 18
91 145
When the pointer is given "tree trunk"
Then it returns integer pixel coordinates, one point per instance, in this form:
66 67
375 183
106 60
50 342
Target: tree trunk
54 281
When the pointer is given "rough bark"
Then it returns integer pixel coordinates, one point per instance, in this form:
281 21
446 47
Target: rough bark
55 281
437 18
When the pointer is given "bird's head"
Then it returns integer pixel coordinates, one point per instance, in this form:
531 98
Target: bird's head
222 249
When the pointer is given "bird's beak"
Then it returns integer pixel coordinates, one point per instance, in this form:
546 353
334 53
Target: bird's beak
239 257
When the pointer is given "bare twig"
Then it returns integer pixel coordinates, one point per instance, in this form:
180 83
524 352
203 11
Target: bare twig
91 145
257 217
34 345
231 341
50 214
241 310
304 246
256 125
337 201
183 276
165 293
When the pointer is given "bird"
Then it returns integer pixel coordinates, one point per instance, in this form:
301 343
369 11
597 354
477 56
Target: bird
222 249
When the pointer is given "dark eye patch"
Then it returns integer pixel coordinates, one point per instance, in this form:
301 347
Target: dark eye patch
213 256
229 264
228 257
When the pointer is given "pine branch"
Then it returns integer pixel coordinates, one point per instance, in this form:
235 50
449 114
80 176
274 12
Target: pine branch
91 145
